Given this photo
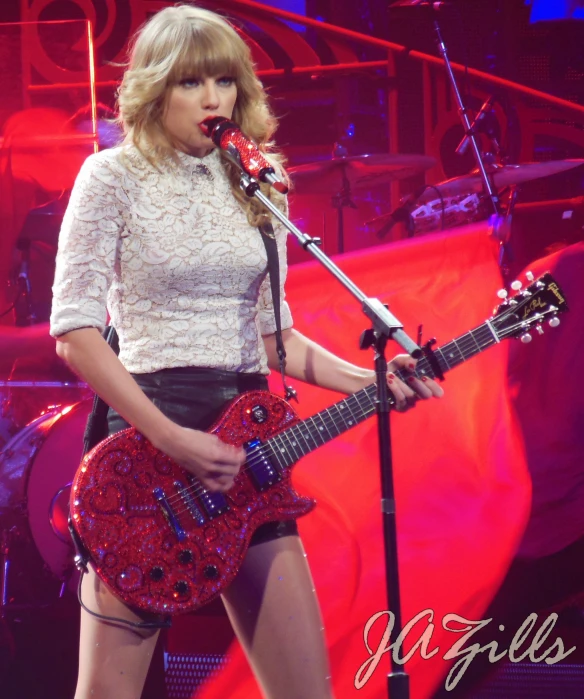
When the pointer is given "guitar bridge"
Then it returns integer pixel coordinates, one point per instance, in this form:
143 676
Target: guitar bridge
169 514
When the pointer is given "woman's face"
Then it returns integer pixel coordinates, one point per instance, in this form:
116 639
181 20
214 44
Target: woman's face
192 101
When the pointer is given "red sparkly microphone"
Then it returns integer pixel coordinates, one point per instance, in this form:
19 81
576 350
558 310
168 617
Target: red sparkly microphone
227 135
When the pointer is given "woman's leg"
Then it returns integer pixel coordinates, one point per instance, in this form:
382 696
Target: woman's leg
275 614
113 659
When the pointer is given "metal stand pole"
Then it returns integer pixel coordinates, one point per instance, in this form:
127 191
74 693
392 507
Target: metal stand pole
469 131
385 327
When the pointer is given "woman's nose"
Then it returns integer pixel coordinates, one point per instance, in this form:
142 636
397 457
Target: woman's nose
210 94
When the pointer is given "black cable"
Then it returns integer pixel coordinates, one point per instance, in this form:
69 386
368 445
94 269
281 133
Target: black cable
136 625
11 308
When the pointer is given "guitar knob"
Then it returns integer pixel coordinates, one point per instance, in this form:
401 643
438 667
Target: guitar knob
181 587
554 322
502 293
185 556
516 285
529 276
525 338
157 573
211 572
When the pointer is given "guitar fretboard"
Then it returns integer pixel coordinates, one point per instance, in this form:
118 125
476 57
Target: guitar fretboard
292 444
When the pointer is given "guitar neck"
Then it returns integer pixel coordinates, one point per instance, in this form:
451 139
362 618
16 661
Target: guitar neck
306 436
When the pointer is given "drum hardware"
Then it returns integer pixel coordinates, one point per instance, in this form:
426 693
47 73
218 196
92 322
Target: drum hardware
24 314
500 230
11 383
502 176
419 3
344 175
36 468
461 202
404 213
5 539
484 122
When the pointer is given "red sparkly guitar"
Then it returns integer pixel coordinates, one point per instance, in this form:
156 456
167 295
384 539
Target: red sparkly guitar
165 544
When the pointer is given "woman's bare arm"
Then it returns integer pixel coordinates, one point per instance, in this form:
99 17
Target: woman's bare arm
211 460
308 361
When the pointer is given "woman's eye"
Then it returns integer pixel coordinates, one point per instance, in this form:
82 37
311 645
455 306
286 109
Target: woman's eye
190 82
226 81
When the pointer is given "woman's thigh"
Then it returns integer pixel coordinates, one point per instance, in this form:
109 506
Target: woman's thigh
113 659
274 611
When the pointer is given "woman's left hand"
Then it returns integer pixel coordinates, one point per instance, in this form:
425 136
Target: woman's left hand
406 393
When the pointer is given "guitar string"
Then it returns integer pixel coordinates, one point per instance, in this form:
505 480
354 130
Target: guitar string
467 345
464 345
198 490
480 337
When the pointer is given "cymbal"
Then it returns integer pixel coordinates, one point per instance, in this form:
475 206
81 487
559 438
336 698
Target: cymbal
361 171
501 176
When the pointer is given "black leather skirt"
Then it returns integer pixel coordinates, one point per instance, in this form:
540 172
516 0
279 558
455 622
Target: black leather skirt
195 397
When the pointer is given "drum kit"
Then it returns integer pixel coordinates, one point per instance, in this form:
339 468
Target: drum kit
444 206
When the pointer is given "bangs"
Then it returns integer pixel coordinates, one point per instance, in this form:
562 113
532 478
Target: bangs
206 51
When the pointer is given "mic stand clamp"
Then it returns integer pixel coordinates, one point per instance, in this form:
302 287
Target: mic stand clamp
384 327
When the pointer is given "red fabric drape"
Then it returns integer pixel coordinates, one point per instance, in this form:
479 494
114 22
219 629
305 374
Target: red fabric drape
547 390
461 483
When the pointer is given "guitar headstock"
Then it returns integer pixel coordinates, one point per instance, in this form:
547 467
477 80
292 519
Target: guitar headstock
542 300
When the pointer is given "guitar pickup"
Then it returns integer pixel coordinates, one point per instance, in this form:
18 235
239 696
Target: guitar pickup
189 501
262 471
169 514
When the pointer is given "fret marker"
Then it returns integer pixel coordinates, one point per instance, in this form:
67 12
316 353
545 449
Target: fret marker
282 449
451 356
321 429
350 422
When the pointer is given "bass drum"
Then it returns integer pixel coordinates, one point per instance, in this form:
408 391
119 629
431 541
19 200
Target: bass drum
36 470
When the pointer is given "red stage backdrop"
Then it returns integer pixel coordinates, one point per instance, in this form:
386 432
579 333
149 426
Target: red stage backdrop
462 486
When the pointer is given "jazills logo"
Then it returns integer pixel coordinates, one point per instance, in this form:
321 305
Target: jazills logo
553 287
533 306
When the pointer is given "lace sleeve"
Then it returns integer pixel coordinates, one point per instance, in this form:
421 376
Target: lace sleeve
266 319
88 243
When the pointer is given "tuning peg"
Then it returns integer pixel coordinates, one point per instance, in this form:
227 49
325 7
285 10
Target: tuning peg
525 338
539 329
502 293
529 276
516 285
554 322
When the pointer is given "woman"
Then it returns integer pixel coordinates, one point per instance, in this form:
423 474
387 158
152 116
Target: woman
160 227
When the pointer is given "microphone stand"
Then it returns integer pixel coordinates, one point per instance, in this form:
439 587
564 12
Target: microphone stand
385 326
469 131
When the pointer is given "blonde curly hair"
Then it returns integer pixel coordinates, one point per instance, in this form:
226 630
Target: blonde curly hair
181 42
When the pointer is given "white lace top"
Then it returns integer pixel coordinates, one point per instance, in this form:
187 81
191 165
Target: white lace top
183 273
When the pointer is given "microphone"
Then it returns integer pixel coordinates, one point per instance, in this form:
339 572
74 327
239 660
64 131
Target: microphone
483 111
227 135
402 213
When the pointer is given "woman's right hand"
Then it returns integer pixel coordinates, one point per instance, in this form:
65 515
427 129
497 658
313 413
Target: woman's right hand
212 461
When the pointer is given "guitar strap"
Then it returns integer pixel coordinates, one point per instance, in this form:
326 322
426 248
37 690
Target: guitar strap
269 238
96 427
